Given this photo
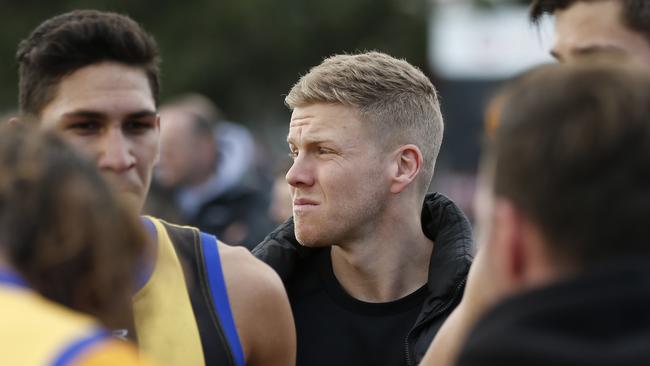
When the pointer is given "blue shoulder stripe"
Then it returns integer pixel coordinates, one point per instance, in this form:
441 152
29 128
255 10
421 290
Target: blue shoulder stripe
9 278
220 295
148 264
73 350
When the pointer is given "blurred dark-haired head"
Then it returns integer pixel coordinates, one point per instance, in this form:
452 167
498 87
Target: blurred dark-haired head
62 228
572 152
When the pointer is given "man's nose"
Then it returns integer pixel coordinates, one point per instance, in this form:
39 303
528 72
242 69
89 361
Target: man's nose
300 173
116 154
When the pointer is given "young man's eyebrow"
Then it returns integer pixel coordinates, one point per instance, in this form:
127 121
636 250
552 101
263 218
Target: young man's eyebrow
98 115
84 113
142 114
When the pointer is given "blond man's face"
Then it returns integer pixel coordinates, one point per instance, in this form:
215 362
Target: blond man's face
339 178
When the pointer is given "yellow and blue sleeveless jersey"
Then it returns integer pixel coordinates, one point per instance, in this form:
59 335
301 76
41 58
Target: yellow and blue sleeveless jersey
182 313
37 332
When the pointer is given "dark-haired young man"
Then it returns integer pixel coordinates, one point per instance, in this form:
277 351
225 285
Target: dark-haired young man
562 275
93 76
618 28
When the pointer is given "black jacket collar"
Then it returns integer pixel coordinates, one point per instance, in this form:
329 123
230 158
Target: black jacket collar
442 221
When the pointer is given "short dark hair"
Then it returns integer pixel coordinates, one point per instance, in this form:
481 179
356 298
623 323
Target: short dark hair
68 42
636 13
572 152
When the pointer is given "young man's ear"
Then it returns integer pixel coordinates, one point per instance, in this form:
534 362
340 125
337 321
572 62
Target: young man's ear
511 245
406 166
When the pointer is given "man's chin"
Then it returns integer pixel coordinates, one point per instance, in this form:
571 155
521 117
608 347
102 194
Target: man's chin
310 239
130 194
131 201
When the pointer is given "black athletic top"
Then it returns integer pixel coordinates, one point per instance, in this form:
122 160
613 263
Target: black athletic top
333 328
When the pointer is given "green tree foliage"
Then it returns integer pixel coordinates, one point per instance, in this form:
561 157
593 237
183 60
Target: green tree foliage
245 54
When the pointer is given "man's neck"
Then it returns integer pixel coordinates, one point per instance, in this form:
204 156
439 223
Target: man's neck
388 265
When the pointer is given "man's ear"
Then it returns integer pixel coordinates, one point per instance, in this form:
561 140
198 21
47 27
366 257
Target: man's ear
510 243
406 165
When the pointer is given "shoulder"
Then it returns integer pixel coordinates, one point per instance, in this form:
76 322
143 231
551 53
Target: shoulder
260 308
246 275
58 319
112 352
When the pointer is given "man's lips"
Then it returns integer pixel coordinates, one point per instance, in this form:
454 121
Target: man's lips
304 202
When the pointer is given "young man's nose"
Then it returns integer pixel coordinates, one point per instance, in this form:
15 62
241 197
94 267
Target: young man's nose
116 152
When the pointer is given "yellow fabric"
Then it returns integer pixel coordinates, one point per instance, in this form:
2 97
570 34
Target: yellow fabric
111 353
164 318
35 331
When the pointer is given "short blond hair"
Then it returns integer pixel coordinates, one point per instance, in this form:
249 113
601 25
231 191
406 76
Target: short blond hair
393 96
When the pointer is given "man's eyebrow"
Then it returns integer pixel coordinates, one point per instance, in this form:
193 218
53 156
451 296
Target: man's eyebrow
311 141
142 114
100 115
84 113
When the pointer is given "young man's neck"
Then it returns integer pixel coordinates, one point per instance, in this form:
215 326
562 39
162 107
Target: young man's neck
388 265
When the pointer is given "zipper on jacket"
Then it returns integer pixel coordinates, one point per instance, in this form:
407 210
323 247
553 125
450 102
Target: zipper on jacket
409 361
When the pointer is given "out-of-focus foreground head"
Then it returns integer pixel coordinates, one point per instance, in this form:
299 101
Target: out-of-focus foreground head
619 28
567 169
62 229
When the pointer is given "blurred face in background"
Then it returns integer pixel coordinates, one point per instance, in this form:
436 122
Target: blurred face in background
179 148
281 202
337 177
594 28
107 111
188 156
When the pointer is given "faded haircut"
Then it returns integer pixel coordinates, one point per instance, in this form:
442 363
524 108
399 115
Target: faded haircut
391 95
